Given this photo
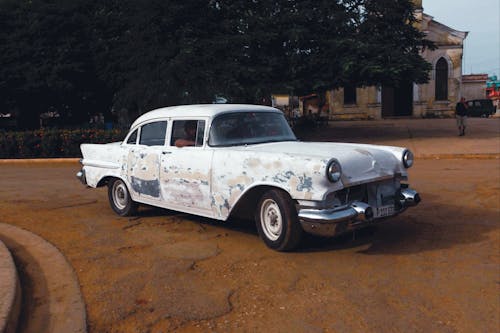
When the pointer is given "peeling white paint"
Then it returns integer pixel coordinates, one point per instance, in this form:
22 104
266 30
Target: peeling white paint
210 181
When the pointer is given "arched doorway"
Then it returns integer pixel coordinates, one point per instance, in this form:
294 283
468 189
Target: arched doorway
441 81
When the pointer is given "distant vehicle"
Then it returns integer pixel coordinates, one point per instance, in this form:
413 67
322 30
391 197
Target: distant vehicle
480 108
244 160
220 100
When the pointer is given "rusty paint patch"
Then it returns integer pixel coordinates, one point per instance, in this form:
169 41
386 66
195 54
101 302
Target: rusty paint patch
147 187
305 184
283 177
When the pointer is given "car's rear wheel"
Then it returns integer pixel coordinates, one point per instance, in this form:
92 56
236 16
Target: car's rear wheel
119 198
277 222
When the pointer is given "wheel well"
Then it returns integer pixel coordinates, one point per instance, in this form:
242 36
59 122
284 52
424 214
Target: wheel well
246 206
104 181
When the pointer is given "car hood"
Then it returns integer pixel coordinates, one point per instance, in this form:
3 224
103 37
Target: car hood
359 162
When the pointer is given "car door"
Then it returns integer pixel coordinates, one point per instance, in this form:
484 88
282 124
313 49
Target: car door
143 162
185 173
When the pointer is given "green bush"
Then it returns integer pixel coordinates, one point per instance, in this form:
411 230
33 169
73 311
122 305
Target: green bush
54 142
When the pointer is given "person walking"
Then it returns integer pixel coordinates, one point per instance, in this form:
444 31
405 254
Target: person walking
461 115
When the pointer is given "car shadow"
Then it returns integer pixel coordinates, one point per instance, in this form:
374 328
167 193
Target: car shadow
234 224
151 211
430 226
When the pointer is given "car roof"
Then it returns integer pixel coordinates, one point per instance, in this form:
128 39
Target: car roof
200 110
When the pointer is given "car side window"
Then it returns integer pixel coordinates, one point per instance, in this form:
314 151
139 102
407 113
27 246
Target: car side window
153 134
132 139
188 133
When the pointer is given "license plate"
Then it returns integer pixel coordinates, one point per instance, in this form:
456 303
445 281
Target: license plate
385 211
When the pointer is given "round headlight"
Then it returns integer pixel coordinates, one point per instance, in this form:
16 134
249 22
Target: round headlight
407 158
333 171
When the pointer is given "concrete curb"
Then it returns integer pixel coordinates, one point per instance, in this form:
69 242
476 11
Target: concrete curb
38 160
10 292
54 302
491 156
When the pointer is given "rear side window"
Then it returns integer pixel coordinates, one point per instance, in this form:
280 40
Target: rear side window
153 134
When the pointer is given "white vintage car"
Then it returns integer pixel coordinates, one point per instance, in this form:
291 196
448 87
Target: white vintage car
220 161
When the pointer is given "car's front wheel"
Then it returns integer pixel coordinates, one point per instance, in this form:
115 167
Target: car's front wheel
119 198
277 222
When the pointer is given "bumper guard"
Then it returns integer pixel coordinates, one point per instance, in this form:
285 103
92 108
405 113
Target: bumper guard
330 222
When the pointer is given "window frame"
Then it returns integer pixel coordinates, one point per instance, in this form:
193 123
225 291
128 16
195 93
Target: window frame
171 138
236 144
141 126
125 141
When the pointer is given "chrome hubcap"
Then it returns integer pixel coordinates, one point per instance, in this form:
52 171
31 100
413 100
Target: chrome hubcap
120 195
270 217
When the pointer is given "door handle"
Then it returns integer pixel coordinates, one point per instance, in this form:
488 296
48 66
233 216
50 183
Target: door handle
166 152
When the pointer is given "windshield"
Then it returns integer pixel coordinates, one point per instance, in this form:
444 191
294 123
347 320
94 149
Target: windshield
242 128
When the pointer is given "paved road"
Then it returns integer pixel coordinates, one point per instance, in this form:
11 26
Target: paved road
427 138
434 268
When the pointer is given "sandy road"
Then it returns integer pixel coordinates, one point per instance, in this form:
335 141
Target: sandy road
435 268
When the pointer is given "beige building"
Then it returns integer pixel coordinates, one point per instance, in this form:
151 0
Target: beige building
437 98
474 86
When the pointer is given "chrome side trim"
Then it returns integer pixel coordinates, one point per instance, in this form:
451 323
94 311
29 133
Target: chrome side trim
101 164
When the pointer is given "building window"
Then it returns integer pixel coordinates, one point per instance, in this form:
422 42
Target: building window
349 95
441 80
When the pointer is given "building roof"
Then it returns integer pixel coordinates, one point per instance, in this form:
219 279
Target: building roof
200 110
474 78
441 34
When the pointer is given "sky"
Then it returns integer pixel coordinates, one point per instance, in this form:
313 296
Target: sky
481 18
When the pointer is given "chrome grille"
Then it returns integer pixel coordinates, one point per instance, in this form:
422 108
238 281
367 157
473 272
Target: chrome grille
375 194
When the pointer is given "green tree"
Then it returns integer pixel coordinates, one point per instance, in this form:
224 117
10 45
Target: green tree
387 47
129 56
46 63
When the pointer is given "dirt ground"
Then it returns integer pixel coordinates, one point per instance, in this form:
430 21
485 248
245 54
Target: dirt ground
435 268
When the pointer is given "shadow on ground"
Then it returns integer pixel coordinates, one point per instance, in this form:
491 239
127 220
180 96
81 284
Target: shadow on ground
430 226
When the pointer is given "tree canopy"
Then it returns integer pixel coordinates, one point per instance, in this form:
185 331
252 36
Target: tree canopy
87 56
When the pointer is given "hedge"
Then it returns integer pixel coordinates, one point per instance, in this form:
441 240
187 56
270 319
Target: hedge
53 143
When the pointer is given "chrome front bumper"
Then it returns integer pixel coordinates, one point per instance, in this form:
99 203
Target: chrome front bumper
330 222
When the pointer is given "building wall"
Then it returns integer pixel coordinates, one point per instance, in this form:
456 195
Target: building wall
450 47
280 100
453 56
474 90
366 106
474 86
